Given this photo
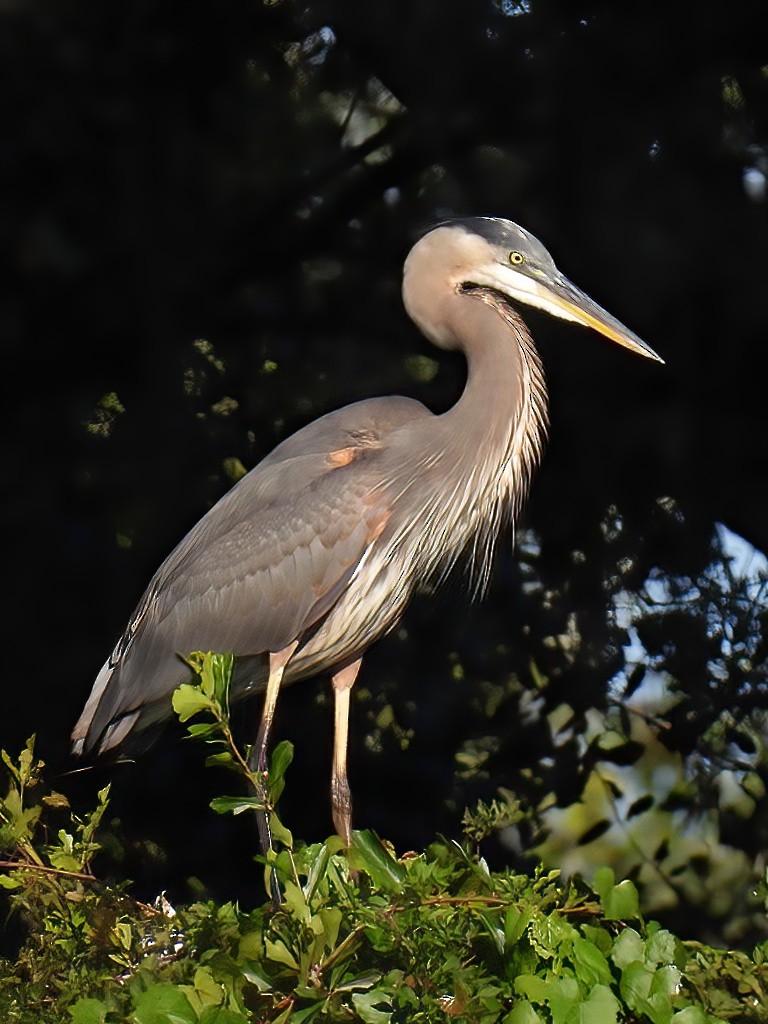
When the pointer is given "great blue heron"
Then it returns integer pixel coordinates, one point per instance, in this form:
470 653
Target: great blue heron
315 553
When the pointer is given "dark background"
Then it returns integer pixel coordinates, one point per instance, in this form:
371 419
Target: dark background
169 176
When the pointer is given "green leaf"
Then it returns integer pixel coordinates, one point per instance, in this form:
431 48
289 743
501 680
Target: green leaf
188 700
221 1015
10 882
317 869
547 932
251 946
628 947
646 994
564 1000
533 986
691 1015
279 952
623 902
361 983
599 937
331 918
93 821
636 979
221 760
307 1014
294 899
255 978
200 730
163 1003
221 669
206 676
368 854
281 758
88 1011
591 966
204 992
368 1006
214 672
26 761
236 804
620 902
279 832
660 947
516 920
602 1007
8 762
603 881
666 980
522 1013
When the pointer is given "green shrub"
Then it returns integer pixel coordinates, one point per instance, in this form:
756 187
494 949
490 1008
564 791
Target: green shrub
359 935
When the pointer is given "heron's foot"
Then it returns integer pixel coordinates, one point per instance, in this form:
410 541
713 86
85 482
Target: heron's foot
341 803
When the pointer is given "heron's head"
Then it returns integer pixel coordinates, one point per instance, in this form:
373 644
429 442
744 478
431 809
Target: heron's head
489 253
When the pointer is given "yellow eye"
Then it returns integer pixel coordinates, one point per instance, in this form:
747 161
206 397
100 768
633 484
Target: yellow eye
516 258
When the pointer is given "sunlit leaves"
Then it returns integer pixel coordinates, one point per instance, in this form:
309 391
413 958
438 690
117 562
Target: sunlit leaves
105 415
620 902
647 745
428 937
237 804
88 1011
164 1004
189 700
370 855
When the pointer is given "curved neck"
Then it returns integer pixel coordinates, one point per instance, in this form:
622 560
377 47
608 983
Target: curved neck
475 470
490 441
501 417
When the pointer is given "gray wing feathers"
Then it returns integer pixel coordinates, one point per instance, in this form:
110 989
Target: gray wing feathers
262 566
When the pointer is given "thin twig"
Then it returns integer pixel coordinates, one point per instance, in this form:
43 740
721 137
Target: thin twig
18 865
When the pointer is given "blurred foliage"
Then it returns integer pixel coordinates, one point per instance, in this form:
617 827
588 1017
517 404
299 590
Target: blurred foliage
634 725
362 935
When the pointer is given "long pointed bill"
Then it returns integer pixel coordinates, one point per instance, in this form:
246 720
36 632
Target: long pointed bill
571 303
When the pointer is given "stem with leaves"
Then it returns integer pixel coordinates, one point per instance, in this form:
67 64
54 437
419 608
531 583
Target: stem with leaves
209 696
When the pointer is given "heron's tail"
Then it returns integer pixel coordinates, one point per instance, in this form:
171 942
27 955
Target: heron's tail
126 702
97 729
81 741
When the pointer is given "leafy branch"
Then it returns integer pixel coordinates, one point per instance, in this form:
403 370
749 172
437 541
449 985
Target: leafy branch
208 697
359 935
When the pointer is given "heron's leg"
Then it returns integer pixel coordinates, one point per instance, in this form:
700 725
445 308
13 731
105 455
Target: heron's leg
341 797
257 761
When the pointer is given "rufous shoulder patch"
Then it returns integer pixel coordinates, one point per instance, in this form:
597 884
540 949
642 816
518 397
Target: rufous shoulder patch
343 456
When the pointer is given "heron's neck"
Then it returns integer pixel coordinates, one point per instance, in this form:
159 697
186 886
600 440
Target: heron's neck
494 434
504 404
